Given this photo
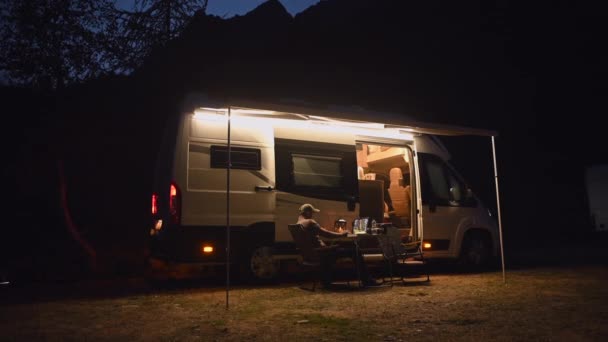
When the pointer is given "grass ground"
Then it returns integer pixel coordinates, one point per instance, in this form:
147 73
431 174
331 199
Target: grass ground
548 303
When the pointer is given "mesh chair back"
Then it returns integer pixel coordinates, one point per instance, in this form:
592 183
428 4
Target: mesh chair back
387 248
394 237
403 252
304 244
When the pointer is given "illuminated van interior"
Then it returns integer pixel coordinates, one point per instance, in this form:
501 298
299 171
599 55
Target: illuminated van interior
385 184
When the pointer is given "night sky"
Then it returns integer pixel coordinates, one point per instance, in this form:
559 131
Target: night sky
229 8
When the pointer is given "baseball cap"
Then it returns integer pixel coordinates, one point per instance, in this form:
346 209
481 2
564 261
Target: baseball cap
308 206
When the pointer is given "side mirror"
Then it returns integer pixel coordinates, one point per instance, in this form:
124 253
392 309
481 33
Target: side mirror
470 198
469 193
455 194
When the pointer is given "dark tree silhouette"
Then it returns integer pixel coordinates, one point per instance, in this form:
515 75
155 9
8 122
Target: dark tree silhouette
151 24
51 43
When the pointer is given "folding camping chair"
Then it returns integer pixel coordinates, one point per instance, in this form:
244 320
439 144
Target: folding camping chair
402 256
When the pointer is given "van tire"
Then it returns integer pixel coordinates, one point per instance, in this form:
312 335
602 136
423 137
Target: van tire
476 251
261 267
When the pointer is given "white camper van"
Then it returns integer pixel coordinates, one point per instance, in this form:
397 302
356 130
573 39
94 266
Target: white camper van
282 157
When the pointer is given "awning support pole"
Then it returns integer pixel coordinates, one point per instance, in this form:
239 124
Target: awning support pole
502 254
228 166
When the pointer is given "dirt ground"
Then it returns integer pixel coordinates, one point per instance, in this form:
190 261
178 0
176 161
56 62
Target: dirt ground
548 303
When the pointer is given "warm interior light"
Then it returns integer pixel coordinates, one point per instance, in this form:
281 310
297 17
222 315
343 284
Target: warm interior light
213 110
211 114
158 225
207 249
427 245
252 111
252 116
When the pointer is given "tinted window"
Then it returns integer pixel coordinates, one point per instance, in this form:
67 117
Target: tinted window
240 158
440 184
457 189
317 171
437 180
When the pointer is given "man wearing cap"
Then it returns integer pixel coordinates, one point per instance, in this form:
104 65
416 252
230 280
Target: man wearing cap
315 229
329 254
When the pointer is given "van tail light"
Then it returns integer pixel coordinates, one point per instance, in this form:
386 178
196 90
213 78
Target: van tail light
154 204
174 204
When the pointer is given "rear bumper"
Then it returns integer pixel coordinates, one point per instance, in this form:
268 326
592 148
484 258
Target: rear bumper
184 244
176 244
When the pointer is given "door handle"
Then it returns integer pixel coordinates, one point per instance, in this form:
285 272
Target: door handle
264 188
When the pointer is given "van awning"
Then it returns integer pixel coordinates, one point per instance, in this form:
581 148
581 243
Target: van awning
389 120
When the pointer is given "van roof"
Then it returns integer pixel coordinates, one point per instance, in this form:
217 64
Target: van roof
354 114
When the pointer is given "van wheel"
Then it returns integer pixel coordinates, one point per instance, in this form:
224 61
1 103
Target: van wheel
262 266
475 252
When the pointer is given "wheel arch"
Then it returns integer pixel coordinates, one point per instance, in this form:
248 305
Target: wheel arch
258 236
245 239
260 233
477 232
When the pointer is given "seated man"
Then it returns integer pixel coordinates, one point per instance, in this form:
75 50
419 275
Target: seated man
329 255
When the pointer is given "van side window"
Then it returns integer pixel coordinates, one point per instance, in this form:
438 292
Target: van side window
438 181
440 184
240 158
314 169
321 171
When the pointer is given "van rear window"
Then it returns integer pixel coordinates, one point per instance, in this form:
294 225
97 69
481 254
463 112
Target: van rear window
240 158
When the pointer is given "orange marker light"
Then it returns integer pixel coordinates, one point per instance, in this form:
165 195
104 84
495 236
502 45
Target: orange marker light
426 245
207 249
